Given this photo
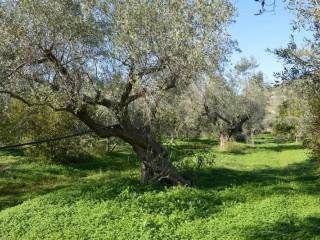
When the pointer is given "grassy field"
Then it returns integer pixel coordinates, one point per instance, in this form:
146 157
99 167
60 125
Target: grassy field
264 191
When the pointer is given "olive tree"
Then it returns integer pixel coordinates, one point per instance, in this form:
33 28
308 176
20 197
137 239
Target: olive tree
302 64
179 116
93 56
290 110
224 110
235 101
256 91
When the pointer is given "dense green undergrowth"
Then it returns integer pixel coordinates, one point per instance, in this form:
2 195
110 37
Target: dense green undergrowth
268 190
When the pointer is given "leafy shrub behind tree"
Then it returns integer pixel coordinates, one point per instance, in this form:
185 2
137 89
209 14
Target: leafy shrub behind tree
22 124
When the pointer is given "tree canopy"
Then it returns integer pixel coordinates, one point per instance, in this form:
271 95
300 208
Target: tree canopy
104 61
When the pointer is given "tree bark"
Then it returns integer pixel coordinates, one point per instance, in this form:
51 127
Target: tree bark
252 137
224 138
249 137
156 165
236 127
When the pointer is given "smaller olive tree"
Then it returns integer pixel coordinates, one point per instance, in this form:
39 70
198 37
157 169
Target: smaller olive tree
292 111
302 65
235 102
256 91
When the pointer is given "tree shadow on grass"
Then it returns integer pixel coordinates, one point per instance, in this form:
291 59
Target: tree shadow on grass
201 201
115 161
27 178
264 139
23 180
291 228
281 147
14 195
236 152
12 152
204 199
206 141
303 173
151 199
260 142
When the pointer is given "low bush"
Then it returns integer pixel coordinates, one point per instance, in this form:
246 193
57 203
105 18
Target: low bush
234 147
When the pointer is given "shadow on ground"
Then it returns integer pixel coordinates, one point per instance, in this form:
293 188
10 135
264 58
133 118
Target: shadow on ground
27 178
114 161
305 174
204 197
281 147
291 228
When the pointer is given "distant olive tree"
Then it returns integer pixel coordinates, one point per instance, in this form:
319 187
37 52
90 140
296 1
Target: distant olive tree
93 59
236 102
292 111
179 117
256 91
302 65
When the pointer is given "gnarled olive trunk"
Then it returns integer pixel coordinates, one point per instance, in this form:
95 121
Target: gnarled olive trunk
224 138
156 165
234 128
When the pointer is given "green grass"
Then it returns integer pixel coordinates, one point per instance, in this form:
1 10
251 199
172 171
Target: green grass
268 190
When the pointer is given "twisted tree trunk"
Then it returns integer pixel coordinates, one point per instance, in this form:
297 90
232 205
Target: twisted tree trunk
156 165
224 138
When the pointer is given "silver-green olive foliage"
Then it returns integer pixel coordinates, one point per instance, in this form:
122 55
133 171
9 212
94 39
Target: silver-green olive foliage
66 53
302 64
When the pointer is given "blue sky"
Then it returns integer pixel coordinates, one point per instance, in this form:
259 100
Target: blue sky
257 33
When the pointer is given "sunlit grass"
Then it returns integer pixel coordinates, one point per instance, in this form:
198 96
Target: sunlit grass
269 190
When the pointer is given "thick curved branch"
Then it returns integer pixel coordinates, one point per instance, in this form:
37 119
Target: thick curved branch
136 96
31 104
100 129
48 54
126 98
56 62
40 61
237 127
17 97
150 70
99 100
216 114
129 86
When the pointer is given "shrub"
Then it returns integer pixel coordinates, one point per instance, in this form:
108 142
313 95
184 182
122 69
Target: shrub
234 147
197 160
285 131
